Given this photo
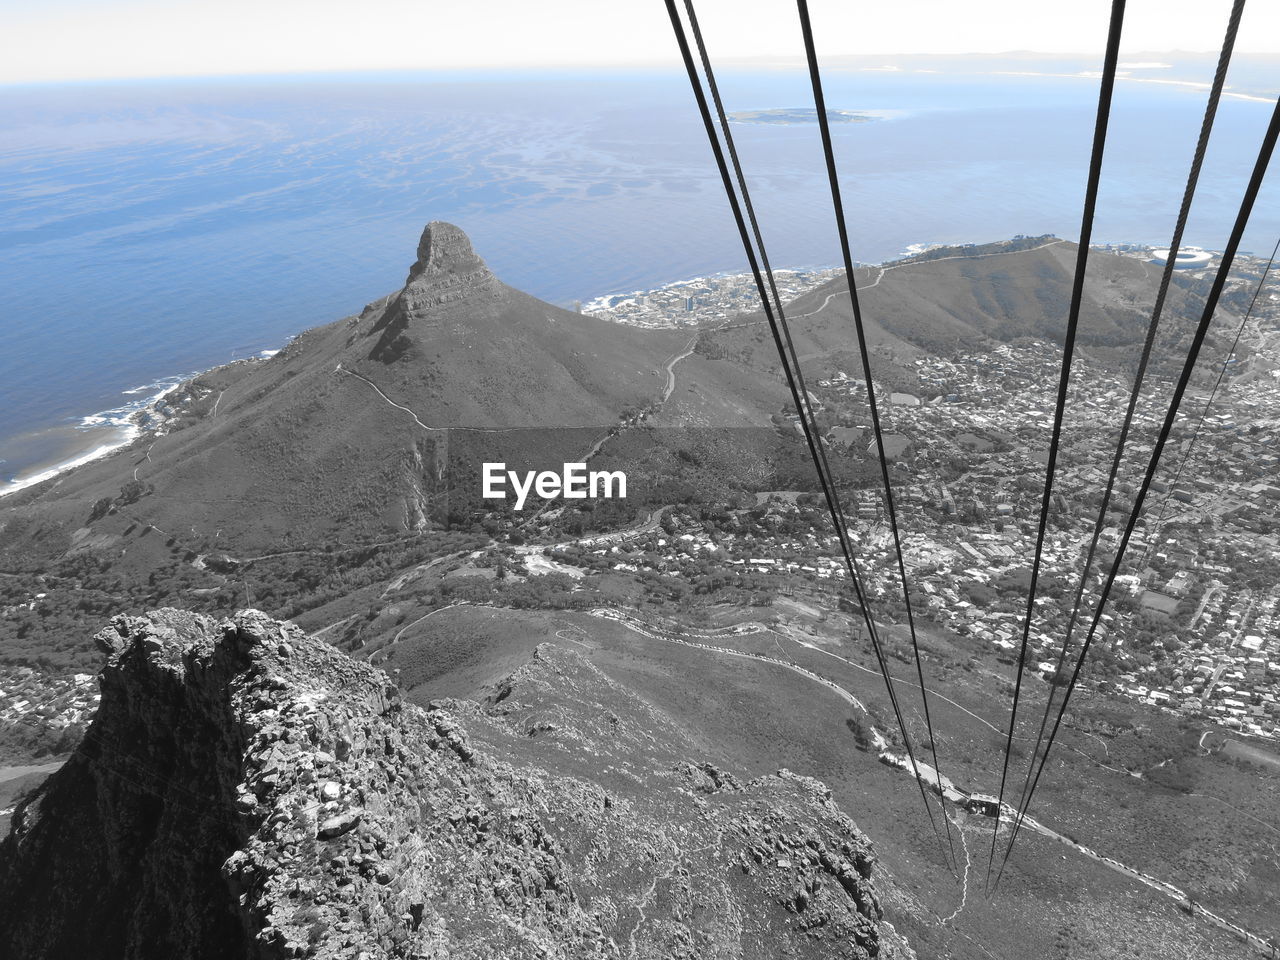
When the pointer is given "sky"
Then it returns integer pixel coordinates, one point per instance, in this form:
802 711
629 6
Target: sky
61 40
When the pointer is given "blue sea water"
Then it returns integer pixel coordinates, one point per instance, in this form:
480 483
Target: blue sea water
149 230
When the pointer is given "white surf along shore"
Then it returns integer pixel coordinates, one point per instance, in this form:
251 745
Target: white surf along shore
100 434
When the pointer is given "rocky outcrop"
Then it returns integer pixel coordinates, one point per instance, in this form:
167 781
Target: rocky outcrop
247 791
447 269
446 276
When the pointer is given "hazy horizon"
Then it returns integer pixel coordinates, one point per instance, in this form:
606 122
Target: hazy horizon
90 40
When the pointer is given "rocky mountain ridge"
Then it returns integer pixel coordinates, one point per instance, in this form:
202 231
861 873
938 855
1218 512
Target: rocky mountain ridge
447 271
248 791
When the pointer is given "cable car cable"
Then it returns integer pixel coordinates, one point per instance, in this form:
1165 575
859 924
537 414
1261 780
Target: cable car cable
1106 88
829 492
1188 367
1204 412
1166 276
824 128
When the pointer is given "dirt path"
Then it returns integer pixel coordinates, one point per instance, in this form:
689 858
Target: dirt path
1161 886
857 666
964 880
645 630
378 390
386 650
399 406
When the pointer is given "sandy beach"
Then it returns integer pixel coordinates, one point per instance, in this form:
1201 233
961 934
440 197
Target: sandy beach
39 455
46 453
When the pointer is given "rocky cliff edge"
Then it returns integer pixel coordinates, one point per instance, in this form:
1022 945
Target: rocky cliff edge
248 791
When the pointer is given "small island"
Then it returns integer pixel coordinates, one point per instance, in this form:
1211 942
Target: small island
792 115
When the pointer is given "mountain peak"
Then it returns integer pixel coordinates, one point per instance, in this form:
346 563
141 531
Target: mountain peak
447 275
447 265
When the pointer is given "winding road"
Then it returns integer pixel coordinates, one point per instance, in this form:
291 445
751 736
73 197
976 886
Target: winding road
671 368
639 626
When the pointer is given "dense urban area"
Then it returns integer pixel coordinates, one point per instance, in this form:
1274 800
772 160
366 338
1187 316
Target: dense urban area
700 300
1192 621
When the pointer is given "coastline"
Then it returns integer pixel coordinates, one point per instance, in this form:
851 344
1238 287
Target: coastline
69 445
50 451
64 447
57 449
80 446
46 452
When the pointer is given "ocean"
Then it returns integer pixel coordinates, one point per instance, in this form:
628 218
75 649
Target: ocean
150 230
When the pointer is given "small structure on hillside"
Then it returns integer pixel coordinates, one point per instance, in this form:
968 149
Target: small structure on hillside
983 804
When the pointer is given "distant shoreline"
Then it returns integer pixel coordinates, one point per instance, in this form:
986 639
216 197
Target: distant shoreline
792 116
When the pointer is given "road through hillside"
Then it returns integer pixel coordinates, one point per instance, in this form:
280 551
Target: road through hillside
1183 900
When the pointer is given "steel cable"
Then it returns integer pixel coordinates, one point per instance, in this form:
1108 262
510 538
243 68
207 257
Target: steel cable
1166 276
798 397
824 128
1188 367
1106 89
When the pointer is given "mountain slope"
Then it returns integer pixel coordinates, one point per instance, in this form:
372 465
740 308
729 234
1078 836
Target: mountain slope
247 791
963 298
343 432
